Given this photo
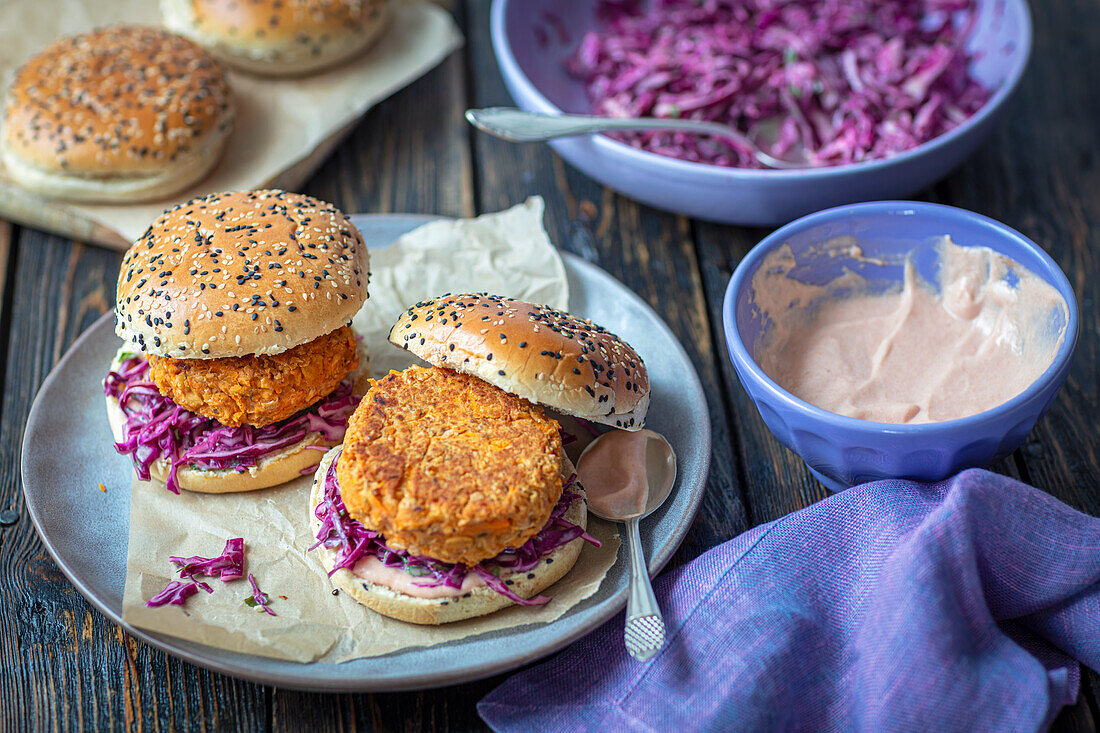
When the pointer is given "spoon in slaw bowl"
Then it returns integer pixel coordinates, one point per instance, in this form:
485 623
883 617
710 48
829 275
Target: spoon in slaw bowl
516 125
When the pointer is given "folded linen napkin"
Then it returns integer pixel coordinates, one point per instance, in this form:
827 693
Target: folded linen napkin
889 606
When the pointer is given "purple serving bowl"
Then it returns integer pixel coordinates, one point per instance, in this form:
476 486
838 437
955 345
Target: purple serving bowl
532 39
843 451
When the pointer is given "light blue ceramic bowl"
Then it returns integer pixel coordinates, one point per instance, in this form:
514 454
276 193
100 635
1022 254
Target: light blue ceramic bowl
843 451
532 39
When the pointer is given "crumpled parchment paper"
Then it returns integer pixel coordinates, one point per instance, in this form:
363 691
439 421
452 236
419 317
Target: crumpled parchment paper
506 253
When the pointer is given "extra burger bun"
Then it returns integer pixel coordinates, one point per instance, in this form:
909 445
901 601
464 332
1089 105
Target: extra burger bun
533 351
279 37
477 602
125 113
272 470
232 274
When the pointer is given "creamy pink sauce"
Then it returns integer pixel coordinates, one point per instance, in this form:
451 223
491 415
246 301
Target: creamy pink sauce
917 355
373 570
614 475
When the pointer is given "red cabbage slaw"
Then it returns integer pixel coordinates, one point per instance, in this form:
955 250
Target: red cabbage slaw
352 541
177 592
156 427
258 597
568 438
227 566
840 81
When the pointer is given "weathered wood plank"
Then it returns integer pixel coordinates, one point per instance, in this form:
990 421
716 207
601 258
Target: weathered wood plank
61 662
1077 718
446 709
410 154
8 235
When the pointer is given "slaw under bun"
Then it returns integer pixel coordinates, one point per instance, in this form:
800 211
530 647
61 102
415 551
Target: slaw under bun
279 37
478 601
122 113
233 274
271 470
533 351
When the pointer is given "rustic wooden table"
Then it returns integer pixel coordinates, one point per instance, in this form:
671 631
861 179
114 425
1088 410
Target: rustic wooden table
63 664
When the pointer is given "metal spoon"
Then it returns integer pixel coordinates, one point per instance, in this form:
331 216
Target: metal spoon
520 126
644 634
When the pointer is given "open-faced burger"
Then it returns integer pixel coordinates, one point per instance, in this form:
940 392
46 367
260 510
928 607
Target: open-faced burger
451 496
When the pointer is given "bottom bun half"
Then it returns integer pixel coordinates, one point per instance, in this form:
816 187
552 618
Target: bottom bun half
478 601
271 470
126 188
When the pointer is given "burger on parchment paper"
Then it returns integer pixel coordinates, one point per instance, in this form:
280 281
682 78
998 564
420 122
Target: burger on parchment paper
280 37
451 496
239 367
125 113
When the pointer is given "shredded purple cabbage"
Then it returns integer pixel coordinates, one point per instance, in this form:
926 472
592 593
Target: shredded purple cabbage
258 597
177 592
843 81
352 541
227 566
156 427
498 585
588 426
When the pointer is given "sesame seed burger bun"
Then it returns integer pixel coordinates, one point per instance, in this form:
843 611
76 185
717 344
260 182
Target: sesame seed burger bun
479 601
125 113
279 37
233 274
533 351
271 470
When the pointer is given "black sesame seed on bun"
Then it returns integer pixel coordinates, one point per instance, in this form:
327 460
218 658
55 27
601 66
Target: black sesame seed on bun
121 113
533 351
279 37
232 274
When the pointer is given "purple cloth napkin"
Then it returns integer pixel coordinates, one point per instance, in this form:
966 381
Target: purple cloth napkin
890 606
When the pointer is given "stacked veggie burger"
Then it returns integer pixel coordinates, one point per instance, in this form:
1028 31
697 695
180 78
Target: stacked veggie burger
451 496
240 367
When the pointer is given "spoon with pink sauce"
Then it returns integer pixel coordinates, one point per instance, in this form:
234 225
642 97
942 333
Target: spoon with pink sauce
627 476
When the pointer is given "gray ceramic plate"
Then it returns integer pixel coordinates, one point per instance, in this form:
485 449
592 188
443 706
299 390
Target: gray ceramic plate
66 454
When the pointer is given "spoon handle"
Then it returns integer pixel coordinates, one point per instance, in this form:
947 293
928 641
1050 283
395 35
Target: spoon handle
645 629
518 125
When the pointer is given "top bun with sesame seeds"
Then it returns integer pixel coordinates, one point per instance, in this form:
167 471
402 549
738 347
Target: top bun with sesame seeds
123 113
244 273
533 351
279 37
